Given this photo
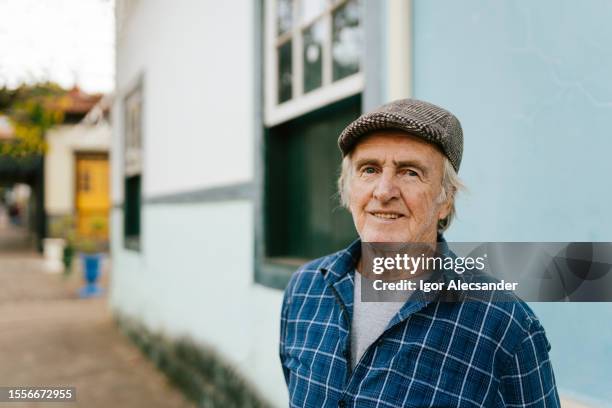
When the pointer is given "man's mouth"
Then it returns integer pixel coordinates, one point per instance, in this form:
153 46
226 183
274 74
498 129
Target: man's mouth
386 216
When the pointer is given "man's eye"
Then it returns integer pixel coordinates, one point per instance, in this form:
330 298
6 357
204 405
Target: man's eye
411 173
369 170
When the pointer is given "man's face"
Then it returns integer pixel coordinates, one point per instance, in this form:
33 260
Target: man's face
394 189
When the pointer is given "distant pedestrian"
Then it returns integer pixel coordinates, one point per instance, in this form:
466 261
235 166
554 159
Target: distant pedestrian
14 214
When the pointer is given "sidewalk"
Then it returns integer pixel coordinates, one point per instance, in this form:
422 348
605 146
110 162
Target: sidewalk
50 337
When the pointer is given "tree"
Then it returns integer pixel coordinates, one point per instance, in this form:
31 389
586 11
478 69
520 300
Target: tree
31 111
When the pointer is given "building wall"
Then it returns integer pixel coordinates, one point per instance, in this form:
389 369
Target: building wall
63 142
194 274
527 80
530 82
197 69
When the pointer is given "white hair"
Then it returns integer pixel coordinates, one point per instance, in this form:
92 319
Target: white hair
451 185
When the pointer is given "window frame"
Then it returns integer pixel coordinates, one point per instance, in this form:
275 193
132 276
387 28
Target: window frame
133 158
329 92
385 74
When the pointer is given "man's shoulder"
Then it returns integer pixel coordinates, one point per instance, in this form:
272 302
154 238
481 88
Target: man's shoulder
513 310
503 303
499 316
504 319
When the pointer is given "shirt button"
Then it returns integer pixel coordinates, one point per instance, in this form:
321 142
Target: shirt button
342 404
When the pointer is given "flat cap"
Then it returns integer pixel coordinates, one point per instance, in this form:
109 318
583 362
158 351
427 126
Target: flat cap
421 119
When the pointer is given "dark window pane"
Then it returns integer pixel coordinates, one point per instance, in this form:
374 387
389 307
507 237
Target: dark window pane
347 40
284 72
131 211
284 15
314 36
303 218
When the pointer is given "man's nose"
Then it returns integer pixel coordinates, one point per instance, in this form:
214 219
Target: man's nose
386 189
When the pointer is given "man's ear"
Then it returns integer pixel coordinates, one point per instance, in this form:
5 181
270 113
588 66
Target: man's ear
446 207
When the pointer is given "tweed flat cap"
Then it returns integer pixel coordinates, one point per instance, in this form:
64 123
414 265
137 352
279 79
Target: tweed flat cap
421 119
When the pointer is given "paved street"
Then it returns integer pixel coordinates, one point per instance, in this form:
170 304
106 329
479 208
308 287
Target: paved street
50 337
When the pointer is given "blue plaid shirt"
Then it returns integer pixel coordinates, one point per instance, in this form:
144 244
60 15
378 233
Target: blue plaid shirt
473 353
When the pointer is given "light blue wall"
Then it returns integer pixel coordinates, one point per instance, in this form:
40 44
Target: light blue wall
531 82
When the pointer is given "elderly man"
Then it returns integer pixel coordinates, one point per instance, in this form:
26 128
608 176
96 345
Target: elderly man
399 180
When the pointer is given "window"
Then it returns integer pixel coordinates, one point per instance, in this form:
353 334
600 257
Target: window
313 52
132 168
304 219
313 88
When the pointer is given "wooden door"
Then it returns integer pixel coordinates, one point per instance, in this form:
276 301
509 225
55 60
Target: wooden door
92 195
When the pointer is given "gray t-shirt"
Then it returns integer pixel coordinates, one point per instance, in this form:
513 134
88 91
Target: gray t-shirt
370 319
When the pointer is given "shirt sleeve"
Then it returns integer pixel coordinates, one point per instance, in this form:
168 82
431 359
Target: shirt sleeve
283 330
528 380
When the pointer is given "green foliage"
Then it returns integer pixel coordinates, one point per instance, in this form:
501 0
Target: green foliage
31 110
62 227
93 242
65 227
97 225
87 245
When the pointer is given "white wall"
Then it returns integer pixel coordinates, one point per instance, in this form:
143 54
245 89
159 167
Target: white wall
63 142
195 278
197 61
194 274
